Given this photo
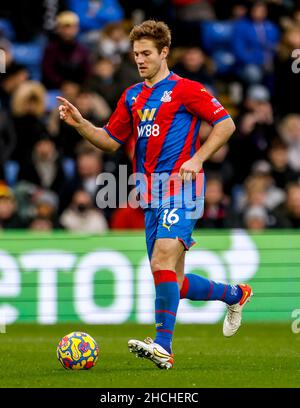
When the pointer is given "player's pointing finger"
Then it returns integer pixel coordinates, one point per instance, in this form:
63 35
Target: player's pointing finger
61 99
64 101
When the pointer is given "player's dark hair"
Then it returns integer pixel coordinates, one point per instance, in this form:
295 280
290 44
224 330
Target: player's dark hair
157 31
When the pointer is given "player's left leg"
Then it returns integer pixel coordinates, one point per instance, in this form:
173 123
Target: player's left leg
197 287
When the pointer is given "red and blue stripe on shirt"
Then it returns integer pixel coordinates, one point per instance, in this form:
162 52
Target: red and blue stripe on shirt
163 122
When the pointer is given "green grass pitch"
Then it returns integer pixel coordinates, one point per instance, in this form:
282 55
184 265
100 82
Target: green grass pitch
260 355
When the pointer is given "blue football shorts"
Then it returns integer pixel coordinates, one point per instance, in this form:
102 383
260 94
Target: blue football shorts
171 222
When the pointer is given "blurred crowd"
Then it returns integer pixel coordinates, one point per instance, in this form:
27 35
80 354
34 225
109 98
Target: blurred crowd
245 52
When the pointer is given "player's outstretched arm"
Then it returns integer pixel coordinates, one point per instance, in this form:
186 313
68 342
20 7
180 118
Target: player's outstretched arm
218 137
95 135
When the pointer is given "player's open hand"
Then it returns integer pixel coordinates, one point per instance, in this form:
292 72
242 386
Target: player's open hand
189 169
68 113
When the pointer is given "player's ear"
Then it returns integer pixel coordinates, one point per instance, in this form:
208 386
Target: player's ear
165 52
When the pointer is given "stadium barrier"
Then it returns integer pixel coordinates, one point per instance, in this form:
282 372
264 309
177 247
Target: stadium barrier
106 279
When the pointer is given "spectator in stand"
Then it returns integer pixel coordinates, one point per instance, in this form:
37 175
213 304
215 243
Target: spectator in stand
82 216
28 110
256 218
216 209
59 130
8 209
104 82
287 81
195 65
94 107
255 194
254 42
46 204
92 163
221 165
23 192
289 130
239 9
275 195
70 89
291 19
44 168
255 132
64 57
281 171
14 76
288 213
296 15
89 166
114 42
261 175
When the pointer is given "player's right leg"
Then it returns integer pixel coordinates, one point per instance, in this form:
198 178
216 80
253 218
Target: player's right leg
153 351
179 268
163 261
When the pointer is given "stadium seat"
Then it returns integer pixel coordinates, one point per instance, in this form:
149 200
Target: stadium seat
11 171
6 29
237 193
51 101
216 35
29 54
217 42
69 167
224 60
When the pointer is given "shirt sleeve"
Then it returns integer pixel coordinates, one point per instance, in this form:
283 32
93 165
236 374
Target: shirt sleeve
119 126
201 103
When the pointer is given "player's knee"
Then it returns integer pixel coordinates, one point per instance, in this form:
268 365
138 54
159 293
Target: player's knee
156 264
161 261
164 257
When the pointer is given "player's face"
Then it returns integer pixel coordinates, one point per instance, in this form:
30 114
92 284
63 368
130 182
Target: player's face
148 59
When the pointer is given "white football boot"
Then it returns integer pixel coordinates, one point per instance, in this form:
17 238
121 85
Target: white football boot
233 318
153 351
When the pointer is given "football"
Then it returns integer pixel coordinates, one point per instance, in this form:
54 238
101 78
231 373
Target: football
77 351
